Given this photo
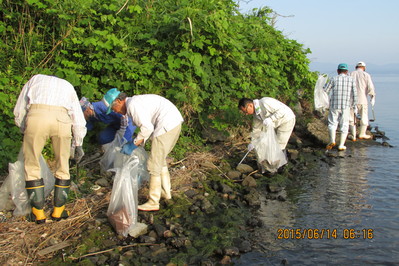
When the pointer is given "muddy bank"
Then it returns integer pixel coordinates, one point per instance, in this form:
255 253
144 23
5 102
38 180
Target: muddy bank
211 218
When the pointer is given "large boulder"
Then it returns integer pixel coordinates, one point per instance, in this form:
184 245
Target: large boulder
318 129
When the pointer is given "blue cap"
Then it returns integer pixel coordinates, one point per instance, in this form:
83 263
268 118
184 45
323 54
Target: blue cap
343 66
109 98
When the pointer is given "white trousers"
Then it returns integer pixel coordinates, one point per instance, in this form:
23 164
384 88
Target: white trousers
339 117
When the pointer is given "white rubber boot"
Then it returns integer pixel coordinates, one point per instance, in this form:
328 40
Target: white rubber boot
342 139
165 181
352 136
154 195
362 133
331 133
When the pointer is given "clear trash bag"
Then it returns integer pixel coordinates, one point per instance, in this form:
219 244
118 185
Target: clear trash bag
110 151
13 191
321 101
268 152
129 170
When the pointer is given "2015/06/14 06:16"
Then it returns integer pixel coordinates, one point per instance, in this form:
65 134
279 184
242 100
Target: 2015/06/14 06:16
313 233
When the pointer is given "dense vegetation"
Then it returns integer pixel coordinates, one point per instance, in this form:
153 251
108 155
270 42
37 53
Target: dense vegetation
203 55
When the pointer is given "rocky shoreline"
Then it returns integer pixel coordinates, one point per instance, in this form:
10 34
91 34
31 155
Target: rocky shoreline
210 219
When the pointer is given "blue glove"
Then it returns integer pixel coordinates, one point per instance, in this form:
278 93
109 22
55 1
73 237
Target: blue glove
128 148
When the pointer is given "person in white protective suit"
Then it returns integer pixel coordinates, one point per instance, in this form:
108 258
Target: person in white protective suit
159 119
268 111
365 87
343 96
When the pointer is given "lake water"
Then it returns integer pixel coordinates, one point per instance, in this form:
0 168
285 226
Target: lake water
342 214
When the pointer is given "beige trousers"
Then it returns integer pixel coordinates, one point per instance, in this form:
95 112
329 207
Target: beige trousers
283 132
161 146
45 122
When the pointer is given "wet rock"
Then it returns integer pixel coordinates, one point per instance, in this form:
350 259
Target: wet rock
147 239
273 188
295 140
294 154
141 250
102 182
224 188
281 198
179 242
138 230
167 234
244 246
101 260
284 262
153 234
191 193
231 251
160 229
254 222
128 254
235 175
253 198
207 207
249 181
194 208
245 168
318 129
225 260
207 263
159 251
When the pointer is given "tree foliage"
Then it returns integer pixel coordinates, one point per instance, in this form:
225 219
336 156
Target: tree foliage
203 55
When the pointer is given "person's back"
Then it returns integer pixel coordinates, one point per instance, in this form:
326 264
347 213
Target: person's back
365 87
341 87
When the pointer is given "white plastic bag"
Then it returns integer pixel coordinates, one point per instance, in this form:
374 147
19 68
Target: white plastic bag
268 151
122 209
321 101
14 185
110 150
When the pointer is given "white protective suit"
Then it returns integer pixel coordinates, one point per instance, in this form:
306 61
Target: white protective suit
281 115
365 87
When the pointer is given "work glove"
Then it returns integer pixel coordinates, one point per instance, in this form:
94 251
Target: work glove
124 122
268 122
79 153
372 100
250 147
128 148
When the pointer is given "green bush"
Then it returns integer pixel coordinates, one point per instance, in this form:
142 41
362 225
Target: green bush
202 55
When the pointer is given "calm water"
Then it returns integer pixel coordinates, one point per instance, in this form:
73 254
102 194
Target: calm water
357 198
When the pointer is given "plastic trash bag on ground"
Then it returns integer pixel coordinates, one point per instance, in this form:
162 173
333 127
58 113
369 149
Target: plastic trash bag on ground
14 186
268 152
129 170
110 151
321 101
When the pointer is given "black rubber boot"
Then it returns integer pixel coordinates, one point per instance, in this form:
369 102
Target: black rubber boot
35 189
61 189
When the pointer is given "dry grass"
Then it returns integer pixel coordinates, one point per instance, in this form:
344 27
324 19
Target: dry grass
27 243
22 241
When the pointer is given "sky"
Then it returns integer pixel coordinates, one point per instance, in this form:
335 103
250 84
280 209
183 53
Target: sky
339 31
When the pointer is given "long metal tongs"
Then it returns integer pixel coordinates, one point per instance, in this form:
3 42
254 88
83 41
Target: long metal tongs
243 158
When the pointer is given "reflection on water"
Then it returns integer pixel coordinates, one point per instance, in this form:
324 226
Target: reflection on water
352 197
